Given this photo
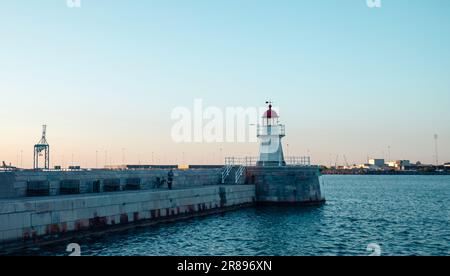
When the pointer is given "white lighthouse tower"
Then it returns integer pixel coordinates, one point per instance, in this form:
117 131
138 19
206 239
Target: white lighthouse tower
270 133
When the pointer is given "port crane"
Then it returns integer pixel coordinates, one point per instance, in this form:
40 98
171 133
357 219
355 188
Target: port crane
42 149
346 162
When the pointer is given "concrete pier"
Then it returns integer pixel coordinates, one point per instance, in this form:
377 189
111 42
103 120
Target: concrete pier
15 184
29 220
286 185
45 206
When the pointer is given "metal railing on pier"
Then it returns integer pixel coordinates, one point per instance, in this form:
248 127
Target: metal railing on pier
241 161
298 161
250 161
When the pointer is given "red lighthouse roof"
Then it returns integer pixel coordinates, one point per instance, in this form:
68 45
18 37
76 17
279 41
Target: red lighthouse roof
269 114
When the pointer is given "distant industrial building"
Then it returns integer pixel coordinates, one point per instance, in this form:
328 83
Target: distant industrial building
377 162
381 165
399 164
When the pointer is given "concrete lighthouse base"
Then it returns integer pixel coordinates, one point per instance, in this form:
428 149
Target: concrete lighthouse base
286 185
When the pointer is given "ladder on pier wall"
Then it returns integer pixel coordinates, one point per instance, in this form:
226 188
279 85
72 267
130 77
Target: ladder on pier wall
226 172
239 174
232 174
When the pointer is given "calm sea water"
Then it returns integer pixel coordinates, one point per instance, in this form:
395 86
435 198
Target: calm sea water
404 215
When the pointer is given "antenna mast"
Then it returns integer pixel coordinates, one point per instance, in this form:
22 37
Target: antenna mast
436 149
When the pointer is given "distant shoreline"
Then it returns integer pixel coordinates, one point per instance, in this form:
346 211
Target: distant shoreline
360 172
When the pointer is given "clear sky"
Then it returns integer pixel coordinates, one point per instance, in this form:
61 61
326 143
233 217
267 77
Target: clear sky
349 80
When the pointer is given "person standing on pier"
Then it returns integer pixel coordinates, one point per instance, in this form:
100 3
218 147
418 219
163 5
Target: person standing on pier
170 179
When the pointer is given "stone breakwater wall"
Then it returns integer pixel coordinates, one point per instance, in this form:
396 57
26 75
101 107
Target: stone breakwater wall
19 184
288 185
43 206
29 220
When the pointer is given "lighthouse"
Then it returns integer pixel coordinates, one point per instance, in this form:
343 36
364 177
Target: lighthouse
277 182
270 133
